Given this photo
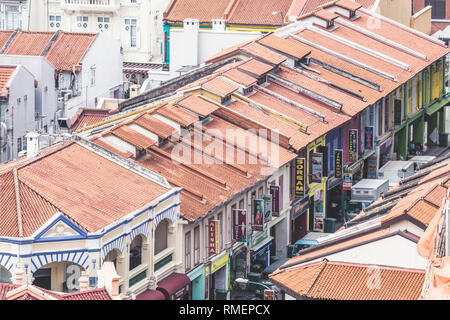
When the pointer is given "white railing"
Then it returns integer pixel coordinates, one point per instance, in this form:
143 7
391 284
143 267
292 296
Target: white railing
90 5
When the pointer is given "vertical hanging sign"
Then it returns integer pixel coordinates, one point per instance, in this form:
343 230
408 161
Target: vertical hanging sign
300 178
213 233
267 198
258 215
275 192
338 164
368 138
353 145
240 225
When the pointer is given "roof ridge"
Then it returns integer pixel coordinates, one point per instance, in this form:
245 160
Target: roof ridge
18 207
324 265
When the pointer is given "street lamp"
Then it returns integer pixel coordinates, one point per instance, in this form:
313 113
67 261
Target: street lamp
282 16
246 281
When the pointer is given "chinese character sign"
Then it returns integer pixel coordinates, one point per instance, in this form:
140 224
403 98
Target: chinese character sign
353 145
368 138
338 164
240 225
258 207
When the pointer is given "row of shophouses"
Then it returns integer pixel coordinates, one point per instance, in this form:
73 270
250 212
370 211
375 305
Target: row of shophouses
148 189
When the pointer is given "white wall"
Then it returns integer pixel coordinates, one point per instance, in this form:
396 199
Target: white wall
19 115
394 251
209 43
105 55
46 94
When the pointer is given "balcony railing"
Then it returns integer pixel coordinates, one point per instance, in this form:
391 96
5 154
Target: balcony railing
91 5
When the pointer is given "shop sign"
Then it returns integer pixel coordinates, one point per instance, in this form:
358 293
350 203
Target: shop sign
240 225
338 164
73 274
300 208
258 215
275 192
217 265
269 295
347 182
213 236
316 167
353 145
368 138
372 167
267 198
299 178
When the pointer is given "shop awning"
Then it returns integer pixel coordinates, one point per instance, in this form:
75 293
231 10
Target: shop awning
151 295
140 68
306 242
437 105
274 266
260 248
175 286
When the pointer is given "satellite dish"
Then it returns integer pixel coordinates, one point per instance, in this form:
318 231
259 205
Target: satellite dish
3 132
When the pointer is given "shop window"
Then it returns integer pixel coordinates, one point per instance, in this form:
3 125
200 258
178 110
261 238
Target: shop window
197 245
438 8
43 278
161 235
187 253
136 252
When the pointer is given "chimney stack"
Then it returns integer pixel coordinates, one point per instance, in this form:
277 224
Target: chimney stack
32 144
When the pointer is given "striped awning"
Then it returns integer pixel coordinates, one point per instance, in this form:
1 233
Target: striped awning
115 244
140 68
39 260
7 261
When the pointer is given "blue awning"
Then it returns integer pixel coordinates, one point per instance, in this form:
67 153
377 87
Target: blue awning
306 242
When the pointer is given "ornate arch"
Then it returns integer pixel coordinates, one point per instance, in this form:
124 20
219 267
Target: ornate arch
38 260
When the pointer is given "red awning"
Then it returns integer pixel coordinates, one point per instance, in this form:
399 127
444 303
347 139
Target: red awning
175 286
151 295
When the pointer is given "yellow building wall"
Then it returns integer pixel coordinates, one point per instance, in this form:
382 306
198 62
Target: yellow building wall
398 10
421 21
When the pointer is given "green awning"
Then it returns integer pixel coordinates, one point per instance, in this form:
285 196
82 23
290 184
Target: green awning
437 105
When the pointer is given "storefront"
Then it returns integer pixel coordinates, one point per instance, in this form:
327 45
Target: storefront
216 278
260 252
238 262
317 209
197 277
355 171
299 216
177 286
334 198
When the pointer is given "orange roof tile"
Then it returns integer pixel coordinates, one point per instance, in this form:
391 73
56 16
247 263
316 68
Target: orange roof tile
87 117
133 137
5 75
161 129
252 12
264 53
106 145
203 10
297 50
178 115
219 86
198 104
240 77
348 4
332 280
4 37
255 67
326 15
101 191
29 43
69 49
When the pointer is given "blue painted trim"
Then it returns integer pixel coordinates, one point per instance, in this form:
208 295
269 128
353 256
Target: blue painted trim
67 221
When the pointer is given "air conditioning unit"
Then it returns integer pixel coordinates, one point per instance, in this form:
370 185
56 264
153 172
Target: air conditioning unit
67 96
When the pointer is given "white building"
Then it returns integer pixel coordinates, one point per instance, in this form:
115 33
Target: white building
14 14
17 96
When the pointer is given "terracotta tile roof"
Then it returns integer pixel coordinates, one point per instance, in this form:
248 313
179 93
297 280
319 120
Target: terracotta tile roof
180 116
198 104
5 75
436 26
252 12
240 77
297 50
436 195
87 117
312 5
4 37
69 49
222 87
95 294
29 43
161 129
255 67
348 4
133 137
332 280
264 53
125 154
326 15
97 186
245 12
